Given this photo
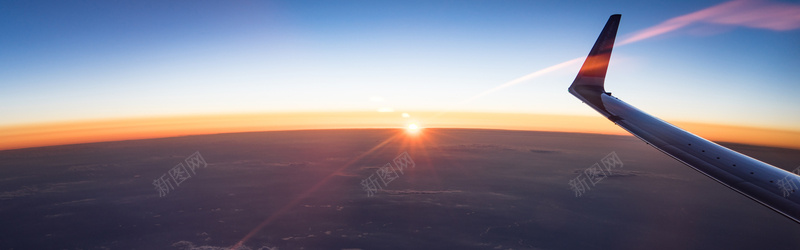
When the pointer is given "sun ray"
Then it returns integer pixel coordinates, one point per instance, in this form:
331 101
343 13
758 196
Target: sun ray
311 190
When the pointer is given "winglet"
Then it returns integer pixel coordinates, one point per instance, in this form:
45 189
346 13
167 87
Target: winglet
588 85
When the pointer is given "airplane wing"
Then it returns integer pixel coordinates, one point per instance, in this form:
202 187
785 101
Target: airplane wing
770 186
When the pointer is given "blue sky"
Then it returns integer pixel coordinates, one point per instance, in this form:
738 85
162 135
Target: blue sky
74 60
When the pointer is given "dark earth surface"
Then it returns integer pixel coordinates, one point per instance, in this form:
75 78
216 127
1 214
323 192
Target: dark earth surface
468 189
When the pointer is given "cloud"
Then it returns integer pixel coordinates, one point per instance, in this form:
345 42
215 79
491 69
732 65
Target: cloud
747 13
188 245
410 191
23 192
478 147
35 190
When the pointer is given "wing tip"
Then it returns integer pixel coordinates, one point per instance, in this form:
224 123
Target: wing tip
589 84
593 71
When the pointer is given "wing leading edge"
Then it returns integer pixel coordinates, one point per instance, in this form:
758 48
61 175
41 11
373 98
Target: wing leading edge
770 186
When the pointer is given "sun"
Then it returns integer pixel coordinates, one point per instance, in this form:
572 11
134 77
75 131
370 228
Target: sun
412 128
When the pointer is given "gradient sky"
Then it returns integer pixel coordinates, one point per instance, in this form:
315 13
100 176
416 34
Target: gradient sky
722 62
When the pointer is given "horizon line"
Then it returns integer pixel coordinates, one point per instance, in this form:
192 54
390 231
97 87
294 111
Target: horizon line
44 134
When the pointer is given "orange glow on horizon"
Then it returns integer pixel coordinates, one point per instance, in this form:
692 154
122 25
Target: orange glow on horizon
63 133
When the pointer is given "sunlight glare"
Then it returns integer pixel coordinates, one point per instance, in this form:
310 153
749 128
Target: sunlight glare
412 128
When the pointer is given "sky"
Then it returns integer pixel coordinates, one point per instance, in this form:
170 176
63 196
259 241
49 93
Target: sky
729 63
